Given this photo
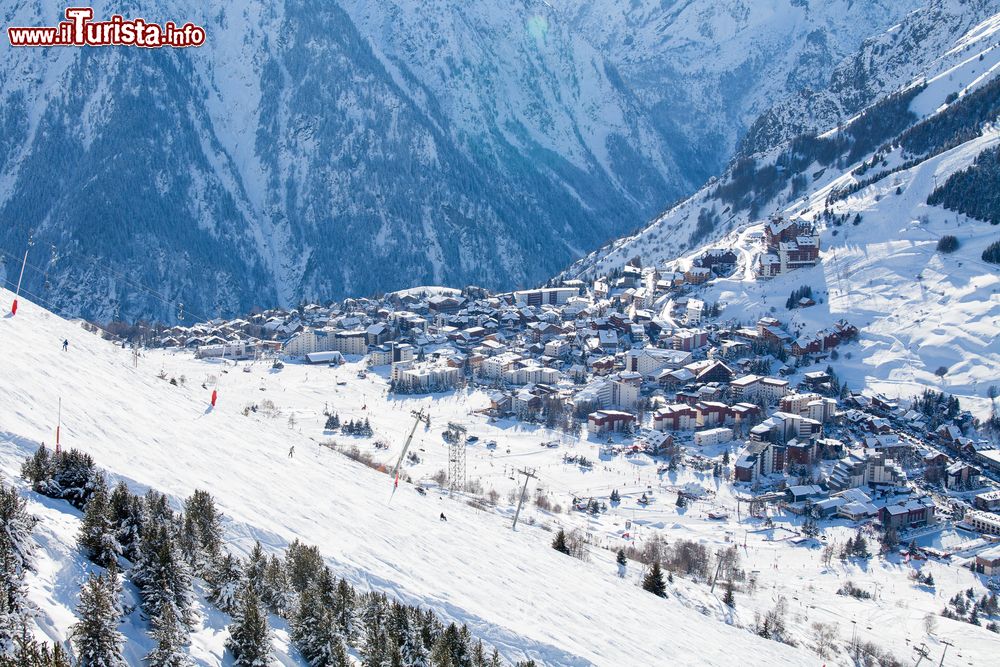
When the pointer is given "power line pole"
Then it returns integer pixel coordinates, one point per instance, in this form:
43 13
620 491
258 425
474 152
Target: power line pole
921 653
528 474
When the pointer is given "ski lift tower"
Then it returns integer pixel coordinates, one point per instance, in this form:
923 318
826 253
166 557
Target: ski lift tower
456 458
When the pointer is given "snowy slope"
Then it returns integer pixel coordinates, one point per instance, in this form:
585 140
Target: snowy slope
512 588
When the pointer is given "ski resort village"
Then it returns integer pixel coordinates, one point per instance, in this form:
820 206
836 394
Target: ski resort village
311 355
646 433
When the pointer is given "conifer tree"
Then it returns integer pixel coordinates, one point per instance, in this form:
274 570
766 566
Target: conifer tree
125 513
559 542
163 577
97 537
653 581
255 567
170 641
17 557
343 611
729 599
276 592
204 522
96 637
224 583
303 564
249 637
29 652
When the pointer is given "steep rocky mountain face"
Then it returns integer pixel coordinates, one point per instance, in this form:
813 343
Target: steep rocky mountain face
795 147
312 150
939 32
709 68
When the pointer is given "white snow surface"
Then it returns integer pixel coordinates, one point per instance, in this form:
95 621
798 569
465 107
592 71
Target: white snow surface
510 587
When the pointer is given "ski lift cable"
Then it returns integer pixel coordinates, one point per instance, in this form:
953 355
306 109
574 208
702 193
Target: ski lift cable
104 268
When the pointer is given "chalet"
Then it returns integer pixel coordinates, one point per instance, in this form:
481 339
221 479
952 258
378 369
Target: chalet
908 514
960 475
697 275
791 244
721 262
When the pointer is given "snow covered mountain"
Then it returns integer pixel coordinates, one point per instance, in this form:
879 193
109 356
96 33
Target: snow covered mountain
926 41
927 317
709 68
512 588
315 150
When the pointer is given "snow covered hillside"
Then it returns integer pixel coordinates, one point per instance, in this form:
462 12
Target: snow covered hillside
927 318
513 589
316 150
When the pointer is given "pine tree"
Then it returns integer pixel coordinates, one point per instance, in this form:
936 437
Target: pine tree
204 522
653 581
343 611
559 542
37 468
17 557
125 513
729 599
31 653
412 648
224 583
249 637
170 641
97 537
163 577
615 496
255 567
303 564
314 628
276 593
96 637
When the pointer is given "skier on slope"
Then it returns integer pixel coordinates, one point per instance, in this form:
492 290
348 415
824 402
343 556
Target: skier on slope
65 345
443 517
291 451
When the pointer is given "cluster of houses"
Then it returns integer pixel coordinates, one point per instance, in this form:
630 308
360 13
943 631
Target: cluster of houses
595 354
789 244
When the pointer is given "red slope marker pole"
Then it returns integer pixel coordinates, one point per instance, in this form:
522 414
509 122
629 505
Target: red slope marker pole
13 309
58 424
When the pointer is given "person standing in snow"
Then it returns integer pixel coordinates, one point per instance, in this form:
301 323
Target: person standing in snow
65 345
291 451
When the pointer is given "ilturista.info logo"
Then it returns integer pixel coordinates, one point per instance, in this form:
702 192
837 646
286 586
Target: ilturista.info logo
80 29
